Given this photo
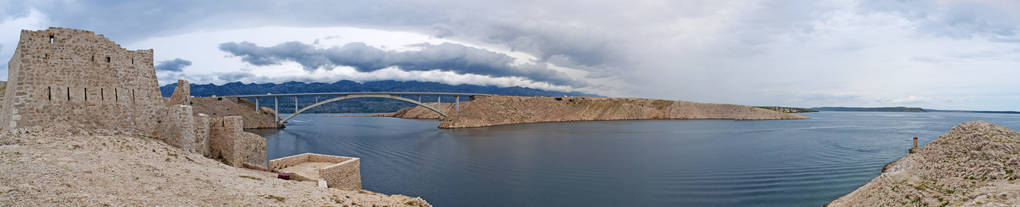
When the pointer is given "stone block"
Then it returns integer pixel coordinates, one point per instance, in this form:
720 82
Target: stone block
178 127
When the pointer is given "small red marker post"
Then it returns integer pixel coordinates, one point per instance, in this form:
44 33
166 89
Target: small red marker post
915 142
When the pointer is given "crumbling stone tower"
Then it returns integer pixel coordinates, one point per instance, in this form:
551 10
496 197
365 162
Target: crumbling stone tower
82 79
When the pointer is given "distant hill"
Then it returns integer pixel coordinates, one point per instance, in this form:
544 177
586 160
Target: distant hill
965 111
905 109
876 109
366 105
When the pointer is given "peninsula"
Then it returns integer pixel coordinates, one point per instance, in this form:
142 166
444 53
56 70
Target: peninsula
975 163
502 110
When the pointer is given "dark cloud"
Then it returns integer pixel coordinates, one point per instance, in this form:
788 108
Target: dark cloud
959 19
175 65
447 56
234 76
533 31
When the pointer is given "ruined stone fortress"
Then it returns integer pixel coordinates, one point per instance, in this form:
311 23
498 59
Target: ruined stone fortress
80 79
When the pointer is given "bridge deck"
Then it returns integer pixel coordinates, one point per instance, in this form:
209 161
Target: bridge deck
362 93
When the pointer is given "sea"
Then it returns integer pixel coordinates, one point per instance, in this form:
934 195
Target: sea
807 162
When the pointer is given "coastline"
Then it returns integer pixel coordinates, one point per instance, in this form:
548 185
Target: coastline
505 110
975 163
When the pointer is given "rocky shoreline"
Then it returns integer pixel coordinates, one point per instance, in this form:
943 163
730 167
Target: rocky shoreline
502 110
976 163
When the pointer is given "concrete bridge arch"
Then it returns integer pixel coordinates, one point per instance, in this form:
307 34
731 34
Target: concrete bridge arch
352 96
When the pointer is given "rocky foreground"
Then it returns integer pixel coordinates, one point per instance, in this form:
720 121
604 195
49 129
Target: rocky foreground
975 163
502 110
53 168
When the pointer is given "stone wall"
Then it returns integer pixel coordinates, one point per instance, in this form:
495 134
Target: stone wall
178 127
182 94
228 141
252 149
345 174
82 79
222 134
202 134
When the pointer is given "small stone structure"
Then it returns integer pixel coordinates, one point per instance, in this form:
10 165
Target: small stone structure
228 141
338 171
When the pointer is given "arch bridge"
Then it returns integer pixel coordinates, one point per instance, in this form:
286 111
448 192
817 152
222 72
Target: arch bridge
339 96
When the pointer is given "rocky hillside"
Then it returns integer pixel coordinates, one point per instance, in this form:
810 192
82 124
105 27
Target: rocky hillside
265 118
975 163
54 168
502 110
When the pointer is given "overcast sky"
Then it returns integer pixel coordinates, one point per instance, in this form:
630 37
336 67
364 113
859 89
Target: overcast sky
933 54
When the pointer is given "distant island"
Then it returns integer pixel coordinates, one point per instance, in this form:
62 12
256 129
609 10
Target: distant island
875 109
904 109
503 110
787 109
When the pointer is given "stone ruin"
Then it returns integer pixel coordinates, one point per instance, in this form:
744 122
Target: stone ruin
77 78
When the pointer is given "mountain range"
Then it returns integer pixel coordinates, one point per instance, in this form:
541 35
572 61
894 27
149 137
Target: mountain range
365 105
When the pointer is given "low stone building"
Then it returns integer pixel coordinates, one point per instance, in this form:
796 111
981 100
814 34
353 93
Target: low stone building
336 171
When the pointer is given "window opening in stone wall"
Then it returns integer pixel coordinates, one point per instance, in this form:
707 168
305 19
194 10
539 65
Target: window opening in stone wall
132 96
107 58
68 93
93 58
51 39
115 97
85 92
49 93
132 61
46 55
102 97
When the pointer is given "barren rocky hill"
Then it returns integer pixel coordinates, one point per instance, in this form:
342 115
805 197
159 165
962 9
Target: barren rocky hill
220 107
54 168
502 110
975 163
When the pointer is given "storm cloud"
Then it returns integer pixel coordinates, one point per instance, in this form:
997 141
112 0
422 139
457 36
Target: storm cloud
175 65
446 57
730 51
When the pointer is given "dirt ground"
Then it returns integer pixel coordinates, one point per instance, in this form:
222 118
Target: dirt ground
54 168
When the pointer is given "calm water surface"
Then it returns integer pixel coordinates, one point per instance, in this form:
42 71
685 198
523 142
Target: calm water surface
622 163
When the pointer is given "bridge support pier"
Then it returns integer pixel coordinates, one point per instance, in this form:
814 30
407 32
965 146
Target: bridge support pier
439 103
276 110
256 104
458 103
295 104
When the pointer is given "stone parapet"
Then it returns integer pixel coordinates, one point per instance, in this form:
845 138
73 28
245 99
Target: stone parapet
340 172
